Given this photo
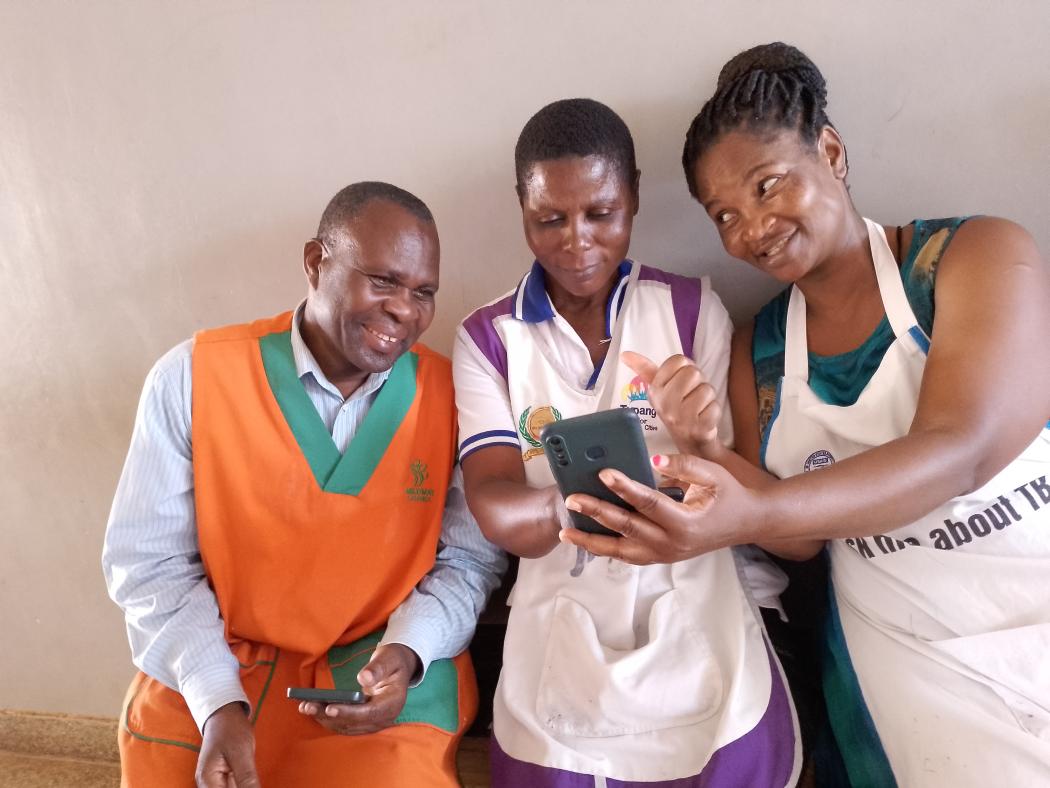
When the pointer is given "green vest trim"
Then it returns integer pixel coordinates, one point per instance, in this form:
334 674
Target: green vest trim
434 701
347 473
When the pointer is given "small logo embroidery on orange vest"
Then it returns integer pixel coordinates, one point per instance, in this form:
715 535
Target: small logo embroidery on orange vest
417 492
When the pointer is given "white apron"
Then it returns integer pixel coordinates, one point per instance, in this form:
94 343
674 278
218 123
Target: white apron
947 620
627 672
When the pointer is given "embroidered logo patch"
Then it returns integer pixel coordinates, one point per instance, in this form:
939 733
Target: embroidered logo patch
818 459
417 492
532 421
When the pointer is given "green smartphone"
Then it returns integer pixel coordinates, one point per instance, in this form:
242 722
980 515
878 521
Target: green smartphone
578 448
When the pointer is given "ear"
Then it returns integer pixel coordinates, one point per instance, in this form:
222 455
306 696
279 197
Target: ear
635 180
833 150
313 253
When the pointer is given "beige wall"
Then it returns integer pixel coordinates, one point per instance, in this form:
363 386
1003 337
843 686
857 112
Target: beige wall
162 163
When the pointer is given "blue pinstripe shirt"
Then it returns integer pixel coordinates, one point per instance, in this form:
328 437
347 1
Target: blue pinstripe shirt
152 561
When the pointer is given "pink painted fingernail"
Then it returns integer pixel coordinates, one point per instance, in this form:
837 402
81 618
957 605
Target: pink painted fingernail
658 460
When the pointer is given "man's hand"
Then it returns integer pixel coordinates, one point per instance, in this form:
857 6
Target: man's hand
227 758
660 530
684 401
385 680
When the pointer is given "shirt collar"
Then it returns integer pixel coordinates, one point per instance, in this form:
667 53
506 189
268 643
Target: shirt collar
306 364
532 304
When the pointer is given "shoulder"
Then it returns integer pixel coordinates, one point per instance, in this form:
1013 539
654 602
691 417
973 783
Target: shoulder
682 288
173 369
431 362
242 331
769 326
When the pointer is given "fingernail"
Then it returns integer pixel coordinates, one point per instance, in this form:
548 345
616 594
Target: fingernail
572 505
658 460
365 677
563 535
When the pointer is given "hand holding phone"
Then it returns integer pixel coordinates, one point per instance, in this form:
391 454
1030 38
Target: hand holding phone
578 448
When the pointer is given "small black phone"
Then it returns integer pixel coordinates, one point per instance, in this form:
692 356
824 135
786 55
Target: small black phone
352 697
578 448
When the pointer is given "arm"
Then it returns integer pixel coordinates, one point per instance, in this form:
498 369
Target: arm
985 396
518 518
522 520
153 570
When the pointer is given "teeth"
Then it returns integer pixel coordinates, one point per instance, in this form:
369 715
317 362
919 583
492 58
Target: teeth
777 247
384 337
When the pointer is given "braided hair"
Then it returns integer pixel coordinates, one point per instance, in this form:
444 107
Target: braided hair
766 88
574 127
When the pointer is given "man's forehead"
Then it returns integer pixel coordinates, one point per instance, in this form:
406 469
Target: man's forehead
385 237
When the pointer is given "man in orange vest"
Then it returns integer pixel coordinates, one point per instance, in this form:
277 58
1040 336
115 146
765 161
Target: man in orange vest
290 515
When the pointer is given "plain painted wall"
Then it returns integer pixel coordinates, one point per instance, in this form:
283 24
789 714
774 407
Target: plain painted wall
161 164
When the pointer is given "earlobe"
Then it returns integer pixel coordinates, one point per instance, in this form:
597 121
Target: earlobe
834 151
635 181
312 255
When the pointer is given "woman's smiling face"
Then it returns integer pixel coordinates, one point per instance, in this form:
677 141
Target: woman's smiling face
777 203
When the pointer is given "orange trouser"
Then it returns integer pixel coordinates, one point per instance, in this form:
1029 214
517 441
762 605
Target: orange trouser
159 742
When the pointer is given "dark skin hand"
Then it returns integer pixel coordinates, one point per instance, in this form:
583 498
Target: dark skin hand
227 757
385 681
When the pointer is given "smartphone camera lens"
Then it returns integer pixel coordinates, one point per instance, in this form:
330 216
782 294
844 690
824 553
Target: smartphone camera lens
595 453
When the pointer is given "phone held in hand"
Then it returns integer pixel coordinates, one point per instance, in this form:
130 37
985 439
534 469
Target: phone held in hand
578 448
351 697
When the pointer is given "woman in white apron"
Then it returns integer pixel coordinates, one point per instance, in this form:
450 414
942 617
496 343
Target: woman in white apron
613 674
908 405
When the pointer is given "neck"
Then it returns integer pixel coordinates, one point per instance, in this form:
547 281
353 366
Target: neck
844 278
341 374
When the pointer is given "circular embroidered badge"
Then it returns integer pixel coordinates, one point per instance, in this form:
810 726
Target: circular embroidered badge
818 459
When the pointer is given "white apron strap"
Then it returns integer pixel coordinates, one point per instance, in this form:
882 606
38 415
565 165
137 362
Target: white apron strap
891 288
894 301
796 343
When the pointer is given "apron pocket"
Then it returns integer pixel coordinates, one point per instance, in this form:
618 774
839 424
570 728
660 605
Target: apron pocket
590 690
1013 663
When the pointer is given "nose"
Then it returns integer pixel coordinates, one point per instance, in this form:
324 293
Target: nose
577 235
756 226
400 304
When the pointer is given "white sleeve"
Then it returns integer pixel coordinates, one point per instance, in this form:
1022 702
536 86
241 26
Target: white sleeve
711 349
151 558
438 618
482 399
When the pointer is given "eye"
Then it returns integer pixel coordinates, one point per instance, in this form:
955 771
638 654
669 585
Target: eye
381 282
723 217
426 296
601 213
549 220
768 183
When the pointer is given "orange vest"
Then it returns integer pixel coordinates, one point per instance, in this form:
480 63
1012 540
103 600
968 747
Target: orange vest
308 552
305 548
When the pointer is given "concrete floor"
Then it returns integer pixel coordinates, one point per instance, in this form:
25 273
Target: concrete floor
18 770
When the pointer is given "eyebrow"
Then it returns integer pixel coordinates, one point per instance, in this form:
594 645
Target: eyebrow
743 179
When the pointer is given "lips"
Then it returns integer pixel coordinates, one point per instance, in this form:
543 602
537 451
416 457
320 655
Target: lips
771 250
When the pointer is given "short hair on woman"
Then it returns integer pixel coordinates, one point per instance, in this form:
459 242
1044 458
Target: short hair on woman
574 127
766 88
351 200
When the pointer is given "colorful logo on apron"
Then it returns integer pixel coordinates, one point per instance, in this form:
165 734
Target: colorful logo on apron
529 425
637 389
417 492
818 459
